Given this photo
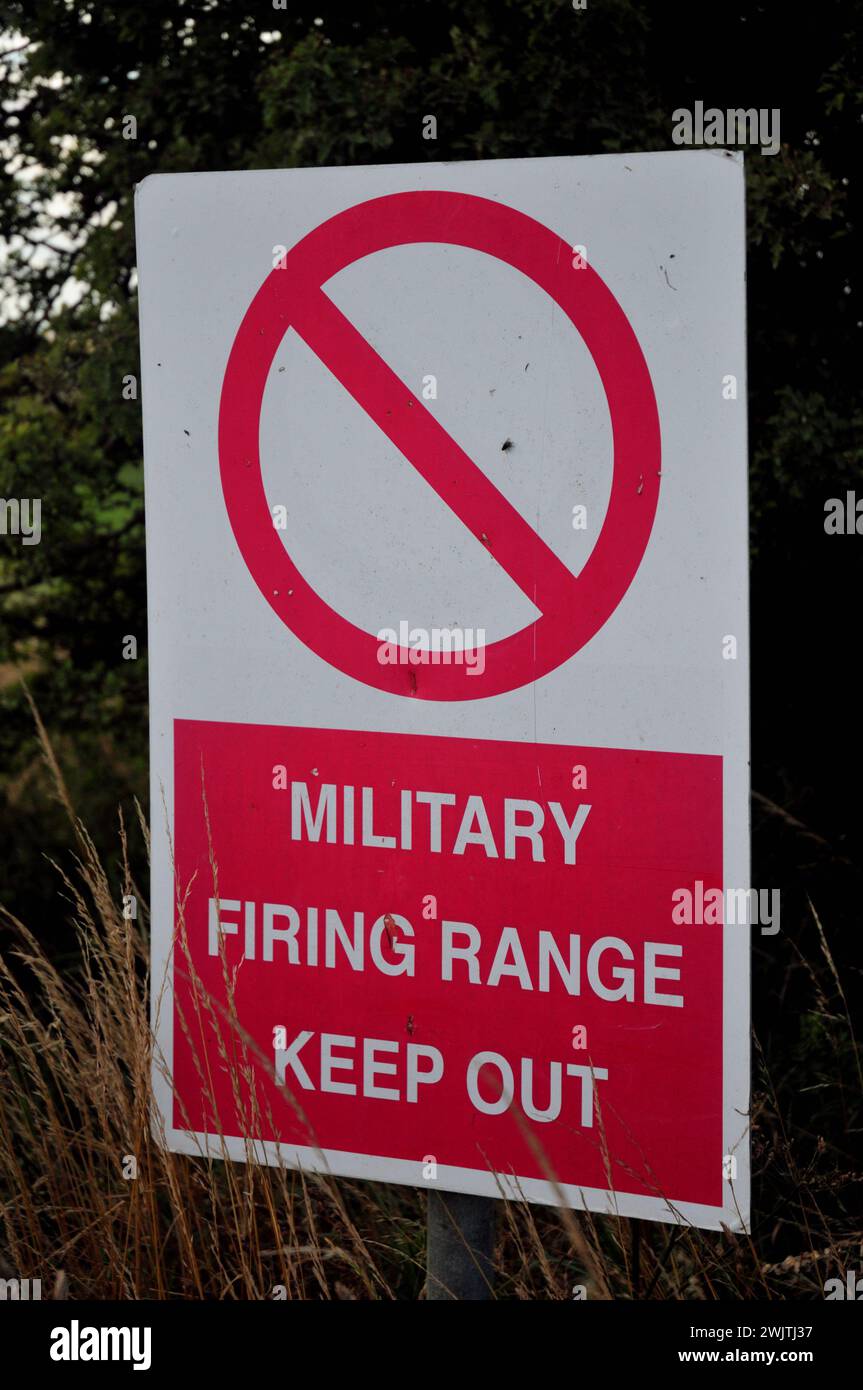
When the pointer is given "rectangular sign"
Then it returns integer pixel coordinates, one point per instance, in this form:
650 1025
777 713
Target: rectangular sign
447 569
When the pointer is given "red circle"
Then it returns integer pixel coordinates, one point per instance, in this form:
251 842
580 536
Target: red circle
479 224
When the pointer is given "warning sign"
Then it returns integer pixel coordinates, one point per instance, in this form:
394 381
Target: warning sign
447 574
383 939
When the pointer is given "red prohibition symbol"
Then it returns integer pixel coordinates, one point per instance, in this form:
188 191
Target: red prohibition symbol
572 609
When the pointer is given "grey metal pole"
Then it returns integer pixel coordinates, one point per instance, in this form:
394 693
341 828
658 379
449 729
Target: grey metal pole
460 1249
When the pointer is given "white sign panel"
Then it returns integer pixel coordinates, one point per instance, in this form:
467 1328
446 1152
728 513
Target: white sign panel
447 570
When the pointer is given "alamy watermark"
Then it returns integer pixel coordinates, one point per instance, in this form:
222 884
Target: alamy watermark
851 1289
716 127
21 517
437 646
844 515
727 907
20 1290
77 1343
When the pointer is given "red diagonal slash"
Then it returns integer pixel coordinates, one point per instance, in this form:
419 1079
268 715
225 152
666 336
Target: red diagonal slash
424 442
572 609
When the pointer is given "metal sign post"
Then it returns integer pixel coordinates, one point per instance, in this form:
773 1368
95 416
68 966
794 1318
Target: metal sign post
460 1251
